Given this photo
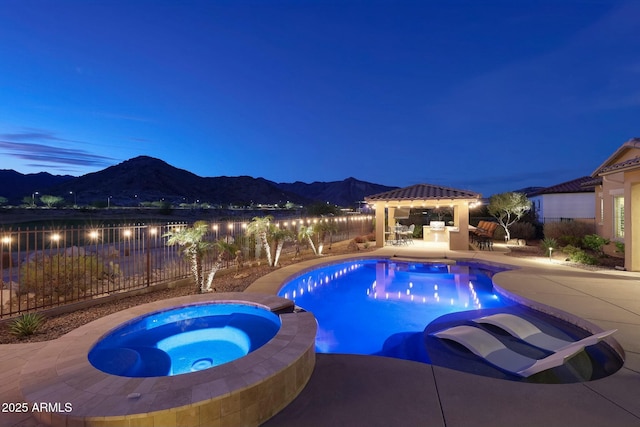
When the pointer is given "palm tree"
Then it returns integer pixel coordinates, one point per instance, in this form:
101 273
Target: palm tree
225 250
279 236
261 227
323 228
194 247
306 233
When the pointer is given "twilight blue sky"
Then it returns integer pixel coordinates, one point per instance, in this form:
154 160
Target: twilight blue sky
488 95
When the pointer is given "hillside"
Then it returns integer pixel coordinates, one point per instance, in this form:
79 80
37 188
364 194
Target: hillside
147 179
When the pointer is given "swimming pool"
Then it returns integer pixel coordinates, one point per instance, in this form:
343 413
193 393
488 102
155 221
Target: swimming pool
183 340
382 306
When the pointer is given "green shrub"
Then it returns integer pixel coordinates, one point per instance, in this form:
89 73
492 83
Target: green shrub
594 242
27 324
523 230
568 232
61 275
579 256
570 249
619 246
567 240
582 257
547 244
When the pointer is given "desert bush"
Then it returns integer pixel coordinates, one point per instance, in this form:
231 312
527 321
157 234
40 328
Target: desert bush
371 237
578 255
582 257
547 244
568 232
594 242
26 324
60 275
570 249
523 230
360 239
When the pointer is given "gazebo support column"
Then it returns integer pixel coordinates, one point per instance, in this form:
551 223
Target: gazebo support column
380 224
459 240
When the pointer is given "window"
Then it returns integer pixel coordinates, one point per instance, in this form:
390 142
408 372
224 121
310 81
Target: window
601 210
618 217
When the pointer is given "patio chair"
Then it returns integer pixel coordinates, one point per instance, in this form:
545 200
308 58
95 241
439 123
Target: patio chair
493 351
483 234
407 233
529 333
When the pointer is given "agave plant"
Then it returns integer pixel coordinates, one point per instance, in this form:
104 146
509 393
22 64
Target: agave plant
27 324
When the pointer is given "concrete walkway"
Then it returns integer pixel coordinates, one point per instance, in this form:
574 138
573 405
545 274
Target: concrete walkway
377 391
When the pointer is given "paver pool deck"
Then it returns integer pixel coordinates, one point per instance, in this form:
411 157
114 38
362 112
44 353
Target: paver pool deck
377 391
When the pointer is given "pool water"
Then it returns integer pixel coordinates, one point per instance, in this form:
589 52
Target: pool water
184 339
382 306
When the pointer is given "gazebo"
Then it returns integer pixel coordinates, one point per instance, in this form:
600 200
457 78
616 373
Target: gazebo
424 196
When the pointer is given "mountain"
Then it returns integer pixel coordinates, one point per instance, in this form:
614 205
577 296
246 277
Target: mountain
14 185
147 179
342 193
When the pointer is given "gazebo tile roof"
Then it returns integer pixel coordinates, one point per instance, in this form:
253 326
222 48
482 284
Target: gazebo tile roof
423 192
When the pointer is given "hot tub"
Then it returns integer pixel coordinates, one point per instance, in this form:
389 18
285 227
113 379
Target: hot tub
244 391
184 339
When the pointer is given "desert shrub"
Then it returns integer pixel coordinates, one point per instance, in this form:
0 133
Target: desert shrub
578 255
547 244
371 237
570 241
61 275
594 242
523 230
582 257
570 249
360 239
568 232
26 324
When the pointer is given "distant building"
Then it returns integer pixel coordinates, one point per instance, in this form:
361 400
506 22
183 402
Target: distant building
569 200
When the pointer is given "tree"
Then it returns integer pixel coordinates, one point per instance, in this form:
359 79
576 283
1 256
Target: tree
508 208
3 200
261 228
50 200
279 236
194 247
306 233
323 228
225 251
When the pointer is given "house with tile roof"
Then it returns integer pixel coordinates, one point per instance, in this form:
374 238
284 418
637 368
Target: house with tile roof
569 200
617 200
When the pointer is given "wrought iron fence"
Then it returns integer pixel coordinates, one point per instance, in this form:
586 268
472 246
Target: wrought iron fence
48 267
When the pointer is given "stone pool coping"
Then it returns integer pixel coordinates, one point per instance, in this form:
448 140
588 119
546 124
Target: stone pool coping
246 391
